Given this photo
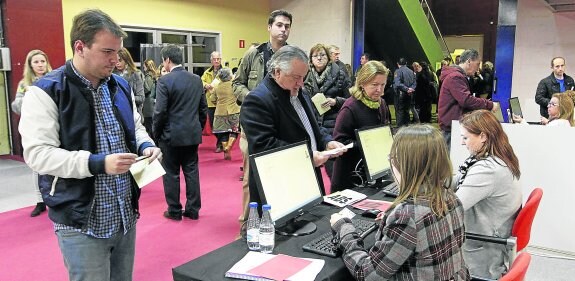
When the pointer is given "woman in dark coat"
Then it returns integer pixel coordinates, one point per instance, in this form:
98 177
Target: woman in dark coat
326 77
365 108
424 93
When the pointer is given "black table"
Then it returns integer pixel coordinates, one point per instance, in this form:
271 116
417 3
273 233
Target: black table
213 265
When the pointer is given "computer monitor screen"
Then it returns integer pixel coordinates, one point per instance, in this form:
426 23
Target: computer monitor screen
375 145
498 113
286 180
515 106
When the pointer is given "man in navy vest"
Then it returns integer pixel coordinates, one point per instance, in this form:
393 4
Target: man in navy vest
81 132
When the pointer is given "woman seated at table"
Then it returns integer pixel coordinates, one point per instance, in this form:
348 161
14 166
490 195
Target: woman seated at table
560 109
421 234
488 186
365 108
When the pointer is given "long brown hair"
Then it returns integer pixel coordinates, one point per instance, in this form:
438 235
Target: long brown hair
126 57
419 154
497 143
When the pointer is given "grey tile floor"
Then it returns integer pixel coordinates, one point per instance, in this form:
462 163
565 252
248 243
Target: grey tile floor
16 191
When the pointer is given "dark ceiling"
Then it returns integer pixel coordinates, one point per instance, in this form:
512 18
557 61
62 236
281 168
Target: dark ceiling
558 6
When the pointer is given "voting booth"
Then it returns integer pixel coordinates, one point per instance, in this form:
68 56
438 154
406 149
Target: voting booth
547 160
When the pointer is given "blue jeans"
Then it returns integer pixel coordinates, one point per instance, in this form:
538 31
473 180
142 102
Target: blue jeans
95 259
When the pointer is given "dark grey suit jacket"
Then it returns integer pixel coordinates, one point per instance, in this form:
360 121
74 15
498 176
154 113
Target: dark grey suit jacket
181 108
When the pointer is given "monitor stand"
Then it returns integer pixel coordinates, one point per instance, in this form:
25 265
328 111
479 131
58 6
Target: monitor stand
297 228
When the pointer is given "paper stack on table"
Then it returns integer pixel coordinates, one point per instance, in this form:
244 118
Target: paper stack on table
267 267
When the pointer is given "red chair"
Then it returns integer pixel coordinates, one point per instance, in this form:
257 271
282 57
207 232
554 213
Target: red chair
521 231
522 225
518 268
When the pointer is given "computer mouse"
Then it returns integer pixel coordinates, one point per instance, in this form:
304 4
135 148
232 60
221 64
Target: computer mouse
371 213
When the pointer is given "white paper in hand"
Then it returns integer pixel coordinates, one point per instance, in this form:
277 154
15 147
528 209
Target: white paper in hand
319 100
338 150
145 172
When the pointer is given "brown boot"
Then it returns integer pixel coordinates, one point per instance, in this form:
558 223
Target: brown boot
227 155
230 143
228 147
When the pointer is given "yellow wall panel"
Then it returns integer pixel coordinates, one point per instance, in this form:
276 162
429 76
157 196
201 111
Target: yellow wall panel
234 19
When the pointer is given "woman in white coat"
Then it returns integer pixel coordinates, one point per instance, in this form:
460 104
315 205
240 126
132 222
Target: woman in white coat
488 186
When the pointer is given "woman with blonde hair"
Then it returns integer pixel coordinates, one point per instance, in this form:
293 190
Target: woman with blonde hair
560 109
126 68
488 186
420 236
35 66
365 108
151 74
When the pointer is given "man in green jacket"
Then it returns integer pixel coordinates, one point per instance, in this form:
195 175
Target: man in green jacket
251 71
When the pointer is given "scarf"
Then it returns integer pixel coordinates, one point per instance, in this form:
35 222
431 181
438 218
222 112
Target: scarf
465 167
361 96
320 78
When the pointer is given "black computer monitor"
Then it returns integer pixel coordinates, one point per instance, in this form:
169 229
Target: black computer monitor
498 113
375 145
515 106
286 180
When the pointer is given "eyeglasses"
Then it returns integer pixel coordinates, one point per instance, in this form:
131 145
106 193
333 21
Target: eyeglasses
319 56
552 104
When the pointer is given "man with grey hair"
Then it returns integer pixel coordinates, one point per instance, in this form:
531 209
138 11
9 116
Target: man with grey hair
455 97
81 132
334 54
179 117
207 79
276 113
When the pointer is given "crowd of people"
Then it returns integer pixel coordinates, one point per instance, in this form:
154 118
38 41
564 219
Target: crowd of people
81 160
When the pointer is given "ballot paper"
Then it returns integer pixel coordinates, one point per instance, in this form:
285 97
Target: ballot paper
344 197
338 150
145 172
318 100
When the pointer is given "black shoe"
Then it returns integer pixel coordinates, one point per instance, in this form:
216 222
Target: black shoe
40 207
191 215
172 216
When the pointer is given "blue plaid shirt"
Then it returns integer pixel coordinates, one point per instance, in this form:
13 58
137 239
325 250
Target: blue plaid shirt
112 209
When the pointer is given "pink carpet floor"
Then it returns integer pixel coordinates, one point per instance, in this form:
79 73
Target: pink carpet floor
29 248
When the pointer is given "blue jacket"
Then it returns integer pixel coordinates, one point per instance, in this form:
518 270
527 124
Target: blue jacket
69 121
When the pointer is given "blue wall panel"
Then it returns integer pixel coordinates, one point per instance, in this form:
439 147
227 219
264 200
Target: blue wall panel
504 65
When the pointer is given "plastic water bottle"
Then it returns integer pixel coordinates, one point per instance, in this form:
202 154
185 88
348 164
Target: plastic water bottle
253 229
267 231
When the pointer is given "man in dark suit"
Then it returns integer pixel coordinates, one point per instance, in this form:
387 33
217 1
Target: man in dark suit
277 113
179 116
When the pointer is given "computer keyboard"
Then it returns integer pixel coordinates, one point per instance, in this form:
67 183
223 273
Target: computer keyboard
391 190
323 245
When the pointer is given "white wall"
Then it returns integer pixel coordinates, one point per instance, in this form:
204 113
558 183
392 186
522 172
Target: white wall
540 36
320 21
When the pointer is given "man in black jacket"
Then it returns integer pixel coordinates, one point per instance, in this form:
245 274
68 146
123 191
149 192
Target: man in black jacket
557 82
179 116
277 112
